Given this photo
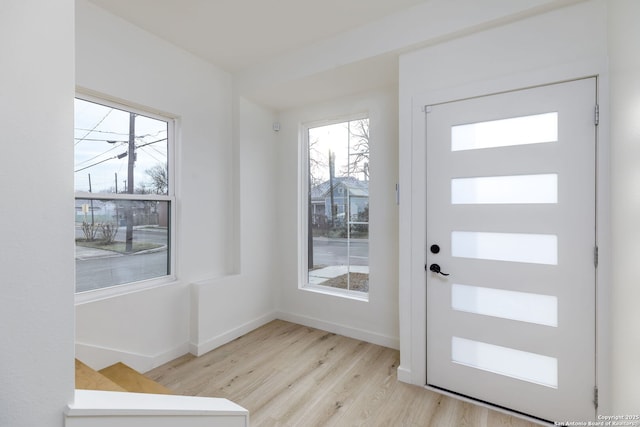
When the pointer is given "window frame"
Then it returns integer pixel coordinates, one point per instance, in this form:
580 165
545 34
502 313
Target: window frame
170 198
303 210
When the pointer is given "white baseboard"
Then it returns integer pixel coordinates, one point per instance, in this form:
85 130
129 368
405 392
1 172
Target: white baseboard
347 331
100 357
168 356
198 349
404 375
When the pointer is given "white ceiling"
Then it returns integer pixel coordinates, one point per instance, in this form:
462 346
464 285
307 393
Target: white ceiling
288 53
238 34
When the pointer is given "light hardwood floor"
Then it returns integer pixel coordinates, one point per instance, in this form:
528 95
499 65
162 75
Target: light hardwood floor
291 375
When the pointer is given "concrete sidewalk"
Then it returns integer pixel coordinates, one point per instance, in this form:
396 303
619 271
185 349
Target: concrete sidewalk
83 253
321 275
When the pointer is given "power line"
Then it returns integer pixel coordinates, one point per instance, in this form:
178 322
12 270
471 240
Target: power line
152 142
156 152
119 156
102 131
111 141
97 124
152 134
113 148
96 156
148 153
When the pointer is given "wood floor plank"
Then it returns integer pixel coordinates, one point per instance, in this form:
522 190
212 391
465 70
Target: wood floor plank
368 402
307 382
348 380
291 375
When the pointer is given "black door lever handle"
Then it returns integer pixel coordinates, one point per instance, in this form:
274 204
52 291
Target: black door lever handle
436 269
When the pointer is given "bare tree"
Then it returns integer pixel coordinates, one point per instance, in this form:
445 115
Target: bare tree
159 175
358 148
317 163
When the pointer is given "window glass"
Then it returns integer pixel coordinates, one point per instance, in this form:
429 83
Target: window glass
338 206
522 306
536 129
518 364
541 188
123 195
511 247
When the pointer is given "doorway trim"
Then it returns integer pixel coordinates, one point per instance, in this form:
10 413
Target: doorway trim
413 244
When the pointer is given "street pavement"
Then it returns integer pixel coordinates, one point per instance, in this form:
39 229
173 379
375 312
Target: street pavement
97 268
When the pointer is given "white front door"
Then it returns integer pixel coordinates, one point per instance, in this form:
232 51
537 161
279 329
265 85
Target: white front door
511 249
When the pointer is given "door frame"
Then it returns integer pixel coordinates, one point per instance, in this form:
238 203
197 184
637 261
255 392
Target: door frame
575 101
413 202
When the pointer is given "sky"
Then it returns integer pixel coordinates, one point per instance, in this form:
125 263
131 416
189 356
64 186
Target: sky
102 133
97 124
333 137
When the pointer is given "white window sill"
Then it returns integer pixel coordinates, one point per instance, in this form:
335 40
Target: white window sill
336 292
124 289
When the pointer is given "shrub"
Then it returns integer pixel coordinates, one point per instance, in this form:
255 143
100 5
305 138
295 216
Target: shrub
108 230
89 231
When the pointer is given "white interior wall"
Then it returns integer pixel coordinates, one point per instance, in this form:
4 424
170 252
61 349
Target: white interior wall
227 307
376 320
219 244
119 60
566 43
567 37
36 302
624 33
109 61
149 327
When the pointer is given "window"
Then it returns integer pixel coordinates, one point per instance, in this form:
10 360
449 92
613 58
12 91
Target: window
336 208
124 195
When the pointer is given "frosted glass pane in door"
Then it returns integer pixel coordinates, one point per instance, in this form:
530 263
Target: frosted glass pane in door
522 365
514 247
533 129
522 306
523 189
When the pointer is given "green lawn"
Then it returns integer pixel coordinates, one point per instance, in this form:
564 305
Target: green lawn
119 247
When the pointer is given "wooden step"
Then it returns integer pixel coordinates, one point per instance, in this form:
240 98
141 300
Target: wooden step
90 379
133 381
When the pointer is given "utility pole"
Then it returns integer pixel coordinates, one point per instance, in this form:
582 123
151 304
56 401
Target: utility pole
332 158
91 200
309 224
129 206
116 201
